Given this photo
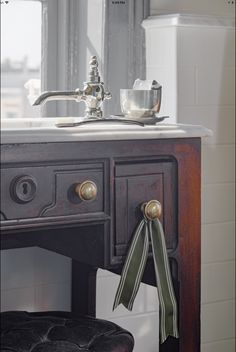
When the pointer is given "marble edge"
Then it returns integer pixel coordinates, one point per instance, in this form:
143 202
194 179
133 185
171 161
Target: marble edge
185 20
52 135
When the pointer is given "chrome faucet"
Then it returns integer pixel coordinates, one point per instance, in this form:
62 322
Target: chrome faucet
92 94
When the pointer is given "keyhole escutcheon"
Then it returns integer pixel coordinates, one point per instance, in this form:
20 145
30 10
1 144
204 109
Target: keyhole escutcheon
23 189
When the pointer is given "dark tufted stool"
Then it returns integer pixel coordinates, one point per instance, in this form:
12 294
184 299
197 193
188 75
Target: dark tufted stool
61 332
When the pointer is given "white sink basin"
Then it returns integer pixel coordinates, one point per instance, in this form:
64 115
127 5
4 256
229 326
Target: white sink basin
45 130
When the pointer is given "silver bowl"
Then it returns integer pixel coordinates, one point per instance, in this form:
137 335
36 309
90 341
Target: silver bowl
140 103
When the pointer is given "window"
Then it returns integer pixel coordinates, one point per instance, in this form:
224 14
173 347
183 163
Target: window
70 31
20 57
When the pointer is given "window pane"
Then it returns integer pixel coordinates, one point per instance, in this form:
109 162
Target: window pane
20 57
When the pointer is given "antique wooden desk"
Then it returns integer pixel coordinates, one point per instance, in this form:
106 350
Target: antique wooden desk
40 206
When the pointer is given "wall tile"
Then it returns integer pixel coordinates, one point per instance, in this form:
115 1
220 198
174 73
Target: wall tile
218 242
152 301
142 321
106 290
186 86
219 346
221 167
53 297
104 273
161 47
47 266
215 86
197 51
205 76
107 283
218 203
220 119
218 282
218 321
145 329
18 299
17 269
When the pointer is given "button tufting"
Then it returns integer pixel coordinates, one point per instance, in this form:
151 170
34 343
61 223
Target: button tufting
61 332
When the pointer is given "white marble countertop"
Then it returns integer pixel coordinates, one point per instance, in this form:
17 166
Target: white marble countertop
44 131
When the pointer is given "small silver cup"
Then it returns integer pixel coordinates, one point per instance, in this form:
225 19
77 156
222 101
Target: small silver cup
140 103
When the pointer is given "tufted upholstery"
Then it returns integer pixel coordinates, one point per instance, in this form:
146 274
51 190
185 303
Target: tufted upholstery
61 332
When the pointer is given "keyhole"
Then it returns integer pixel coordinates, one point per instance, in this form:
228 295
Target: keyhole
25 188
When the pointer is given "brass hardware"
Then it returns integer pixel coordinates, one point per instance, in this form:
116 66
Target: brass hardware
86 190
152 209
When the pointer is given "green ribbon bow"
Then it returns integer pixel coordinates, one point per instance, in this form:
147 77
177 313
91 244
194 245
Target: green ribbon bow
133 269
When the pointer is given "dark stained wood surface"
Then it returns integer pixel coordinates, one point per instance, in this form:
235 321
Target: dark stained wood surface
97 234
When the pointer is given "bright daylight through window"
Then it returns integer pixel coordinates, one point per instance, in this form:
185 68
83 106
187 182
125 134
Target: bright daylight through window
20 57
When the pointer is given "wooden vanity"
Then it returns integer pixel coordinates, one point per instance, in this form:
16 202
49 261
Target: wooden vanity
42 205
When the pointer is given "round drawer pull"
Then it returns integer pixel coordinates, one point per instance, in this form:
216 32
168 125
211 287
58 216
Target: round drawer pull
152 209
86 190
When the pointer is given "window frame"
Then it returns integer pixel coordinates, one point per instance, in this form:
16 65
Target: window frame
63 38
58 44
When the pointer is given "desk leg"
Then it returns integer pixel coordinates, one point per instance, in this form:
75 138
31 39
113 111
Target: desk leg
83 300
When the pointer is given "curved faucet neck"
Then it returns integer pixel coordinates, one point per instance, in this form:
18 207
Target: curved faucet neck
93 93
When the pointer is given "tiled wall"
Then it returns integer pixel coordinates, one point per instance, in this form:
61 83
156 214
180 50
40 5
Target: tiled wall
203 88
142 321
34 279
210 55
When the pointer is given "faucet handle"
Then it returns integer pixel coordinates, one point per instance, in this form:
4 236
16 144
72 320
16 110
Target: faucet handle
94 73
107 95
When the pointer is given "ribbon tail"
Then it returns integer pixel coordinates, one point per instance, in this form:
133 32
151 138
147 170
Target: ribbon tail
133 268
167 300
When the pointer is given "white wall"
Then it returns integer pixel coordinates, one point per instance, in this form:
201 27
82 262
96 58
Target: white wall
214 106
203 7
202 59
142 322
35 280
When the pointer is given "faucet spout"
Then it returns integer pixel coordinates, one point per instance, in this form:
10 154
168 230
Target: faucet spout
58 95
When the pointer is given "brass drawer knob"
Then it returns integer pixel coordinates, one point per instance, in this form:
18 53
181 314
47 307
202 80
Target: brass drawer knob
86 190
152 209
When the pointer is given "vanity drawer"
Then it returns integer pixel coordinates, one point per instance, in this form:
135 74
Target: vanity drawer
139 182
69 201
26 191
50 191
